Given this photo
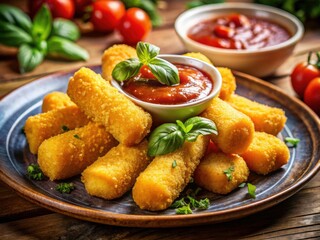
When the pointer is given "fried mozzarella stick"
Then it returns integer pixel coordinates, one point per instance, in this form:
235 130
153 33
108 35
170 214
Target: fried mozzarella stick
113 55
266 153
114 174
68 154
167 175
55 100
127 122
221 173
45 125
235 129
266 119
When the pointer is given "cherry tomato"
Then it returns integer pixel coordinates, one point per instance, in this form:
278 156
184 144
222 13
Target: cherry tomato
134 26
58 8
106 15
302 74
312 95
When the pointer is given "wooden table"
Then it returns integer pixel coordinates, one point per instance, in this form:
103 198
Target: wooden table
296 218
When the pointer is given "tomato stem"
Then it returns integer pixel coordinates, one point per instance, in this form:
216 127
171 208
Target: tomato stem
309 57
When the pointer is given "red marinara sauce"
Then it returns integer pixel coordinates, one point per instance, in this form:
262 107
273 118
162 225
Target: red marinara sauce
237 31
194 85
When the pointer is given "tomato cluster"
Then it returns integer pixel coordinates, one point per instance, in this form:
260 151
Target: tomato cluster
133 24
305 80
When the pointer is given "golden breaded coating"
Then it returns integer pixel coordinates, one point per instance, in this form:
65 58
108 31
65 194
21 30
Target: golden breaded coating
161 183
113 55
56 100
228 83
114 174
198 56
127 122
266 119
68 154
235 129
45 125
211 173
266 153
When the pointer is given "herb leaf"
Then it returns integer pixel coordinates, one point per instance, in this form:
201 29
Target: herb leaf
65 29
252 190
12 35
200 126
61 47
164 71
42 24
65 187
242 185
29 57
126 69
174 163
165 139
228 172
16 17
184 210
34 172
146 52
291 142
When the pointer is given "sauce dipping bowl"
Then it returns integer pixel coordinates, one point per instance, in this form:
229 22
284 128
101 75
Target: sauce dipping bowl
258 62
170 113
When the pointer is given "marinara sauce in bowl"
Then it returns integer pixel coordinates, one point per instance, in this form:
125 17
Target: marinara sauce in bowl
199 84
251 38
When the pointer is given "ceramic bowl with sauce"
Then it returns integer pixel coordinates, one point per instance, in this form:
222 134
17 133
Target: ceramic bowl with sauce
171 111
282 29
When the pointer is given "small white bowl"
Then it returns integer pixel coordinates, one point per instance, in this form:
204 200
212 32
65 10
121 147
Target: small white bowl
170 113
261 62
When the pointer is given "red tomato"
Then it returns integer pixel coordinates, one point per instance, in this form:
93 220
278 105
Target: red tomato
312 95
239 20
134 26
223 31
302 74
106 15
58 8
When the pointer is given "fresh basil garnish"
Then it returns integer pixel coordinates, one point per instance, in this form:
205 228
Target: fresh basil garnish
169 137
29 57
12 35
42 24
65 29
164 71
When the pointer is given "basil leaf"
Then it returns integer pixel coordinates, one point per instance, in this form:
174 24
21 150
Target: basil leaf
165 139
146 52
66 29
16 17
126 69
42 24
29 57
64 48
201 126
164 71
12 35
251 190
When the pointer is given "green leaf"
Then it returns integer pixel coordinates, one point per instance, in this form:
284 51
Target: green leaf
126 69
64 48
13 36
164 71
252 190
178 203
242 185
165 139
65 187
29 57
201 126
42 24
66 29
184 210
291 142
174 163
228 172
34 172
146 52
16 17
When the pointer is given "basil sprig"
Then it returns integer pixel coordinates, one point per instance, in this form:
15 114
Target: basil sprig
169 137
164 71
39 38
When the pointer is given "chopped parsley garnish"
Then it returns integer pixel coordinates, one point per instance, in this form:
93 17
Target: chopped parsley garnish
76 136
65 187
252 190
184 210
34 172
291 142
242 185
174 163
65 128
229 172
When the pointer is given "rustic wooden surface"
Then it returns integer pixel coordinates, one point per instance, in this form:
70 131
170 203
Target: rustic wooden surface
296 218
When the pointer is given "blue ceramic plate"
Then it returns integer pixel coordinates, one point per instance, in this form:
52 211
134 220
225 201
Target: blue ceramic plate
272 189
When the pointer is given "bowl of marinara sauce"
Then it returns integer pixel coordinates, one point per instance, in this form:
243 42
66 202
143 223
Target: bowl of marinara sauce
251 38
199 84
